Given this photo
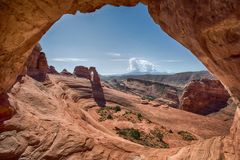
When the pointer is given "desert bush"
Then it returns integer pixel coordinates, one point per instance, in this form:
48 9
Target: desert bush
109 116
117 108
139 115
187 136
130 132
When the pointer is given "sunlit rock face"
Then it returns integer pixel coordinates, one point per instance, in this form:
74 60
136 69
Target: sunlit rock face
204 97
209 28
37 66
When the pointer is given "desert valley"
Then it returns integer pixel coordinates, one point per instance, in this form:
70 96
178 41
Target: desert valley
77 115
81 114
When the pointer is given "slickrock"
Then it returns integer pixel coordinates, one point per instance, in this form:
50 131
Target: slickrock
204 96
210 30
61 121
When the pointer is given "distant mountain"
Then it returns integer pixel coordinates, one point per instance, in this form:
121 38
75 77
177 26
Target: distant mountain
177 79
146 73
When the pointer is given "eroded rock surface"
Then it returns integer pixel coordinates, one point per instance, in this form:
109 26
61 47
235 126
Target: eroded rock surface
204 97
148 90
52 70
92 75
210 29
81 71
62 121
97 87
37 66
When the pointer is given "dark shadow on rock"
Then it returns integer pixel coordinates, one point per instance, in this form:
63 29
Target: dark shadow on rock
6 111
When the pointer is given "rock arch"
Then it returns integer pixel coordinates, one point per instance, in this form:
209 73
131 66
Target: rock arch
209 28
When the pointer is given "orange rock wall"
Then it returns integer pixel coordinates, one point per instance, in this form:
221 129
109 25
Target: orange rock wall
209 28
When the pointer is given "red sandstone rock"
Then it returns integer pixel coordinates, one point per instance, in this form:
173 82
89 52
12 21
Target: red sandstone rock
92 75
204 96
37 66
6 111
97 90
65 72
52 70
169 97
81 71
210 30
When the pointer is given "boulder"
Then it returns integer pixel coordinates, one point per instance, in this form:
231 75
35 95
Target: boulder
204 96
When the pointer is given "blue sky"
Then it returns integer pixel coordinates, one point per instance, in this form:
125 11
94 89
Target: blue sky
115 40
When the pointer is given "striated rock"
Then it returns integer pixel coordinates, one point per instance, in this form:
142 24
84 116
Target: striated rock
52 70
210 30
66 73
82 72
204 96
169 97
37 66
144 101
48 125
150 90
172 95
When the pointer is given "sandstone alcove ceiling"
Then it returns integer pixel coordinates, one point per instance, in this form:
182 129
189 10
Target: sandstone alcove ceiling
210 29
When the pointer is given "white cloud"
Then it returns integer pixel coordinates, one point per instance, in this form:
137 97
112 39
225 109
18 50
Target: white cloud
170 60
141 65
114 54
69 59
119 59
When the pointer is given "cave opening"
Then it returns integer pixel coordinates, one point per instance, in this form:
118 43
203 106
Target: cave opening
67 116
131 66
132 49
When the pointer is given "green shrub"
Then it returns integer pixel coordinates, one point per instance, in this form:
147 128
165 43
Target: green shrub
135 134
109 116
159 135
187 136
117 109
139 115
164 145
130 132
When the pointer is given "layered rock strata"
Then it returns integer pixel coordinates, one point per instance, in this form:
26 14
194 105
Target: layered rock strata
210 30
204 97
